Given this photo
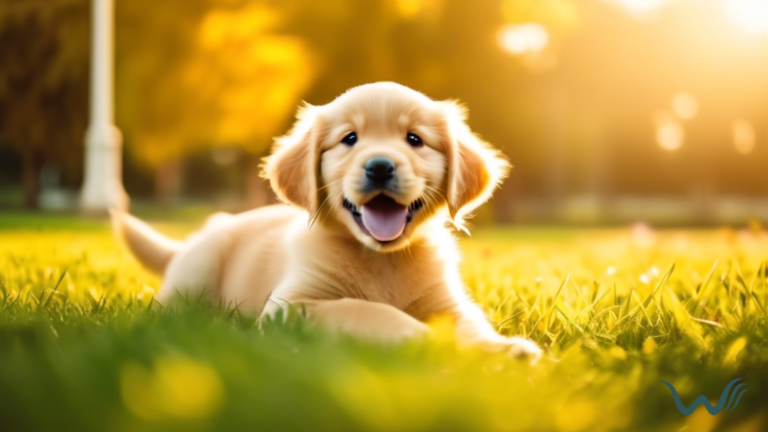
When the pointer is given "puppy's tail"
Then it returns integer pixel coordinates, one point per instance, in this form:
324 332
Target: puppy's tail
151 248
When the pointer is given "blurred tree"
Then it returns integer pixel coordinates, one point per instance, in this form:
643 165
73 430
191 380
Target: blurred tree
224 76
556 15
218 75
43 85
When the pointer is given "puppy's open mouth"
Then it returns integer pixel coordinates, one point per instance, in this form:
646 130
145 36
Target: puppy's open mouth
382 217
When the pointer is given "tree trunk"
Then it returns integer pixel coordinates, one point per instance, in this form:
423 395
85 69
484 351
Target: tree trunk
30 178
167 182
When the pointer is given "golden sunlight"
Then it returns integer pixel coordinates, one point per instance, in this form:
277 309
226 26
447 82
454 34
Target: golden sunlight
519 39
751 15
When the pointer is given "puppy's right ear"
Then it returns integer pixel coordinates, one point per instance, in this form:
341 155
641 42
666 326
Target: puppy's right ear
475 168
292 167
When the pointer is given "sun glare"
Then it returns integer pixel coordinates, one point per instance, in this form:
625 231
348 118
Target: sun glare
751 15
519 39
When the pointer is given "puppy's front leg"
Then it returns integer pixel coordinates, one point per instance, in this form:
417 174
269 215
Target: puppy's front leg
364 319
472 327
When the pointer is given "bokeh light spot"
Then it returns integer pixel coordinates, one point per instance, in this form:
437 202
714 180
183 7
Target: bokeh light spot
744 136
685 106
175 388
670 135
519 39
409 8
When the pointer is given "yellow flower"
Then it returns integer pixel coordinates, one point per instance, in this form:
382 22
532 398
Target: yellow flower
174 388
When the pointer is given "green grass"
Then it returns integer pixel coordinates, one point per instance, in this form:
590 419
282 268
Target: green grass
617 311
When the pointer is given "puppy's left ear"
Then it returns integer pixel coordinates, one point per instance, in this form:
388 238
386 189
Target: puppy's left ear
292 168
475 168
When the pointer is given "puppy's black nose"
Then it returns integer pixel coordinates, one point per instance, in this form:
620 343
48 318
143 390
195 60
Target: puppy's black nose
379 169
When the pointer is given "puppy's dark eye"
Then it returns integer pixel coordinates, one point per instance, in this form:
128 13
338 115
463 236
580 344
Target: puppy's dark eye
350 139
414 140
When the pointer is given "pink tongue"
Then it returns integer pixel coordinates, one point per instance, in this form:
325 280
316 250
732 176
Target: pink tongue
384 218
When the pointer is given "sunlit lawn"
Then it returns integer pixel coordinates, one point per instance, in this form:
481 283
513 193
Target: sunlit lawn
618 311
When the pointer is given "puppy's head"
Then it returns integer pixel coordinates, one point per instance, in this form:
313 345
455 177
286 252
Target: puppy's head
382 159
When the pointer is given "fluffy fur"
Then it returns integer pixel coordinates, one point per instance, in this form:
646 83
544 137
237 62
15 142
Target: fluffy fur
314 252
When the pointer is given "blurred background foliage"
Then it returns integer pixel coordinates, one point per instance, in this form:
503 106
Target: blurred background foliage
596 102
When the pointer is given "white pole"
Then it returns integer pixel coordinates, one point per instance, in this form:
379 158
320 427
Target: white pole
102 185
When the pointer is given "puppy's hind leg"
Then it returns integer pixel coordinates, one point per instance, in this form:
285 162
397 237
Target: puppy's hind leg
195 272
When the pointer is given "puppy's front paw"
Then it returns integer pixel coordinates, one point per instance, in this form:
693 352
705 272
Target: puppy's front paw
523 348
515 347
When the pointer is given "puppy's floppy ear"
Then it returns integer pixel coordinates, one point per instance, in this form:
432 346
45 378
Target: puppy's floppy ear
292 168
475 168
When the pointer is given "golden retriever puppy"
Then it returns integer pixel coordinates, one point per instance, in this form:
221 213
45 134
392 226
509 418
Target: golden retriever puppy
370 181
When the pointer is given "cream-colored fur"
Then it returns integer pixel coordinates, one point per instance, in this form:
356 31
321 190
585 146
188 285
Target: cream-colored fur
313 252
